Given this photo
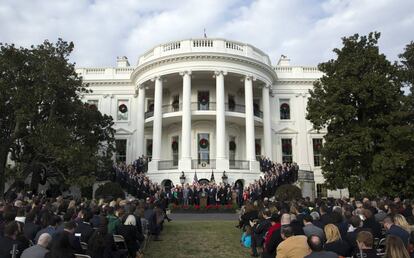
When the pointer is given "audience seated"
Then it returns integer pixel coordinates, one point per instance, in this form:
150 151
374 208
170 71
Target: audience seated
292 246
365 243
316 245
334 242
40 249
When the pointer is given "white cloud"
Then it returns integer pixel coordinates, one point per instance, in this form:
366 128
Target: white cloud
305 30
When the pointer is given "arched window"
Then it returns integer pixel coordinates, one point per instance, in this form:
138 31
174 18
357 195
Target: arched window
284 111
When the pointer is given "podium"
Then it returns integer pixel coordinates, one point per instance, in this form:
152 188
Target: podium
203 199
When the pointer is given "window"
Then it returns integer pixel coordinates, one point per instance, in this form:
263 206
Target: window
287 150
149 148
231 103
232 150
256 108
120 150
123 111
203 148
258 148
203 100
317 155
175 150
175 103
93 103
284 109
321 191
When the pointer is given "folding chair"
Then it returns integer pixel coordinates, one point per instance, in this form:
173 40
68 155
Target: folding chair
380 246
82 256
145 232
121 245
84 246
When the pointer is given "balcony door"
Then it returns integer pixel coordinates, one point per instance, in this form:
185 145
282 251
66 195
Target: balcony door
203 100
203 148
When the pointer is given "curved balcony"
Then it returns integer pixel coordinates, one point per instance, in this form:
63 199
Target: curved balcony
209 106
167 164
203 164
205 45
239 164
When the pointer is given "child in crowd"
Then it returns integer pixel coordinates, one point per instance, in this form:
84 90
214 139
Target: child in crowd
246 239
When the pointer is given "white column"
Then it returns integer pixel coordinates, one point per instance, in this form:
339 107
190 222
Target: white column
157 124
220 117
140 120
250 137
185 162
267 131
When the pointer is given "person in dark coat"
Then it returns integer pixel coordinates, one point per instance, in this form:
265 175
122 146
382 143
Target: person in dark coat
371 223
259 231
334 243
131 235
61 247
84 227
9 239
395 230
101 244
30 228
68 232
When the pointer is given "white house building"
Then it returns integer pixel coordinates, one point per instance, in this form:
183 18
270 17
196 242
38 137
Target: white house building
208 106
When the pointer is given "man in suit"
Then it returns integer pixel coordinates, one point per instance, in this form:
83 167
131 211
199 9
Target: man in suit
259 231
69 230
30 229
395 230
310 229
84 227
316 245
292 246
40 249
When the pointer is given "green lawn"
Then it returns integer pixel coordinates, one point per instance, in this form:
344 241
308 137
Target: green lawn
201 239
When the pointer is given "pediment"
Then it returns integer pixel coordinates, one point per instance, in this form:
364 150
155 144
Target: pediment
314 131
122 131
287 130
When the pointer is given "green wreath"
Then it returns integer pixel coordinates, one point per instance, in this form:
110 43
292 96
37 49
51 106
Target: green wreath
123 108
203 143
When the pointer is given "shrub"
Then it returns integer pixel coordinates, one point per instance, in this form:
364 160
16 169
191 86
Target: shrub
110 189
87 192
288 193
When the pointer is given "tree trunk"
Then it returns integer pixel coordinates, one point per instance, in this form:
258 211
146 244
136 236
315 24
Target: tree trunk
4 152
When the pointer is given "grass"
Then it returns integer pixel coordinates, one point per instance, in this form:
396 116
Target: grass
201 239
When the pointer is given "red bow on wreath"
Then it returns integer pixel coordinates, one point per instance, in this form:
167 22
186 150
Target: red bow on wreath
203 143
123 108
174 145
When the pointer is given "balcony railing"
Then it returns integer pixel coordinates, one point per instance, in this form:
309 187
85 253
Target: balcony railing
236 108
171 108
200 106
209 106
201 164
239 164
149 114
167 164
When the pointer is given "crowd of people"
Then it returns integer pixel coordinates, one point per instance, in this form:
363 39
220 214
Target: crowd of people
38 227
329 228
134 180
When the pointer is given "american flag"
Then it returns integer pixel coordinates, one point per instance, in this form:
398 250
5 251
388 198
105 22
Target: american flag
195 180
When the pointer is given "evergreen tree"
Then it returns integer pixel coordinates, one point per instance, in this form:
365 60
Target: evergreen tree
45 127
359 100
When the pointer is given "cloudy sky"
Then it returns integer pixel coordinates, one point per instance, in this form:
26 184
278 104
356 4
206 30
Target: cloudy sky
304 30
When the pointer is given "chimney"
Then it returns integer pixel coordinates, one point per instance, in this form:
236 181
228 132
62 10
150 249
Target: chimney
122 61
283 61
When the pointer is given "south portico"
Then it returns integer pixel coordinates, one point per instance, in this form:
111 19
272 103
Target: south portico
225 122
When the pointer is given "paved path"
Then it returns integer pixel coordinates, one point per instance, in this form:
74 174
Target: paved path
204 216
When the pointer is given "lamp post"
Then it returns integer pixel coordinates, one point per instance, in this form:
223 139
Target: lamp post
224 178
182 178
